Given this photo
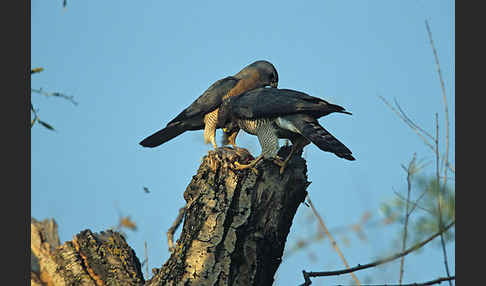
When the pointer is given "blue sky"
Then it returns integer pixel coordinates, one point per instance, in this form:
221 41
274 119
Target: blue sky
133 66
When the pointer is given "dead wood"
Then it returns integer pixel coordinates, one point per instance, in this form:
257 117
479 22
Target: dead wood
234 232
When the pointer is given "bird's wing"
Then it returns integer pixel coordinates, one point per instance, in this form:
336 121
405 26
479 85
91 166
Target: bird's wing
208 101
273 102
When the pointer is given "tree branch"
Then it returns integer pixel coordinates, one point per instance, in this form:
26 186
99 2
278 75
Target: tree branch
444 96
378 262
173 228
439 196
428 283
417 129
409 122
89 259
333 242
410 170
55 94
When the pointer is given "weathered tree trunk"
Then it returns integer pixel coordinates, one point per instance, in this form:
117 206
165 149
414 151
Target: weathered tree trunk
89 259
235 228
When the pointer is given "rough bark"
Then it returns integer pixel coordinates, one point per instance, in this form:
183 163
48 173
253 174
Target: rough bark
89 259
235 228
236 222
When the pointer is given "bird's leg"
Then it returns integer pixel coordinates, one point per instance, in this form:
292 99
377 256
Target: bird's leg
213 140
295 146
252 164
232 139
279 162
286 161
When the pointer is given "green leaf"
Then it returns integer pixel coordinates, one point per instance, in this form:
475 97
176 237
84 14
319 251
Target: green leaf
46 125
36 70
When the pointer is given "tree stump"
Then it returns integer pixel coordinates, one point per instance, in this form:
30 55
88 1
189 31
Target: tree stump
89 259
235 227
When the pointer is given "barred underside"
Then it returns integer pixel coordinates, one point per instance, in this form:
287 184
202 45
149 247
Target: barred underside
265 130
210 122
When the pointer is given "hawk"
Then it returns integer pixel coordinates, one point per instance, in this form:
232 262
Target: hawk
272 113
203 112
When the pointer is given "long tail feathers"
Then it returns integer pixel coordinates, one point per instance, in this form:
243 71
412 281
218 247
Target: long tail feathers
338 108
163 135
324 140
346 112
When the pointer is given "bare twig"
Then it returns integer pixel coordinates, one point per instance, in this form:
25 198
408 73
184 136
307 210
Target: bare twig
446 159
37 119
40 91
448 165
146 259
380 261
418 200
417 129
173 228
444 96
411 124
414 203
32 122
333 242
306 279
56 94
410 171
439 194
353 227
428 283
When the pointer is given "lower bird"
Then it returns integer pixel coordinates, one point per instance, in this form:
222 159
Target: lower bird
203 112
272 113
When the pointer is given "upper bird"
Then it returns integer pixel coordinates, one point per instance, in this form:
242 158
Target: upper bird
272 113
203 112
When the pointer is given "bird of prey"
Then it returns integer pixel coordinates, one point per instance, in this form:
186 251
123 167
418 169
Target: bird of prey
272 113
203 112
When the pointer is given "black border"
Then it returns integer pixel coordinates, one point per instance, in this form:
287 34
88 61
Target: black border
15 140
27 140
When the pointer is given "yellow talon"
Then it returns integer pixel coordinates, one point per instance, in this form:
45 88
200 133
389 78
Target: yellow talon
252 164
281 163
239 166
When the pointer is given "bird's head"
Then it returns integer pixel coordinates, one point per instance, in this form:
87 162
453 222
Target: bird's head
267 73
230 127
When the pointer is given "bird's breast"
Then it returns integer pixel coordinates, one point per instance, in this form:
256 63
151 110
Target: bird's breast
253 125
